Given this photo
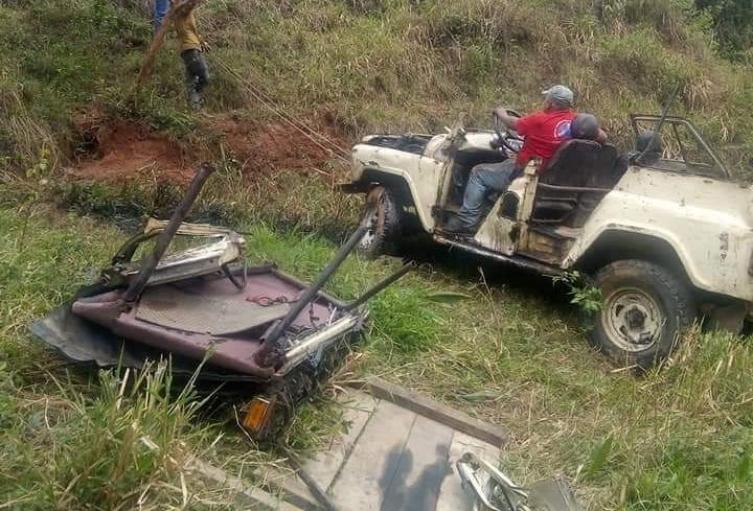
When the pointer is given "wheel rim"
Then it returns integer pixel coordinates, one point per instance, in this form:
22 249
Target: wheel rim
371 221
632 319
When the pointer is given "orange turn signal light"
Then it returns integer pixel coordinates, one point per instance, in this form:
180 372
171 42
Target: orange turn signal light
258 413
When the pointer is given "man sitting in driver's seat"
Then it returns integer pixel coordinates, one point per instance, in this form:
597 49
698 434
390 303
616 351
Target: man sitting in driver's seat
543 132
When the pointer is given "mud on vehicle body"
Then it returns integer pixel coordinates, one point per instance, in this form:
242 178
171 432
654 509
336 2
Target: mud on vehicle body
662 231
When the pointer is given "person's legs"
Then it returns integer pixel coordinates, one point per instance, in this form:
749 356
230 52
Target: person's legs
459 180
202 72
160 11
197 76
484 178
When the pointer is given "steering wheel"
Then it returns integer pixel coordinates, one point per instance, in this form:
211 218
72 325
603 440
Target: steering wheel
505 134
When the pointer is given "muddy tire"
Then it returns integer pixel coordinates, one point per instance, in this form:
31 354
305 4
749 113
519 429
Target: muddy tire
382 215
644 309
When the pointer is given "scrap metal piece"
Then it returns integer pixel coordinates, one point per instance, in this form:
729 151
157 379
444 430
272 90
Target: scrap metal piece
171 307
137 285
494 491
193 262
320 339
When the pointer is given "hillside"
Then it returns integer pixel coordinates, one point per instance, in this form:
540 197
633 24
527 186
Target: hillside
83 156
367 65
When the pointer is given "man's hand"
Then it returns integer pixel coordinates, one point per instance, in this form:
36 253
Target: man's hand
508 120
205 47
499 112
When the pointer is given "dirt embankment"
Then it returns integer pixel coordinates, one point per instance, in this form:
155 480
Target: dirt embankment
121 151
117 151
260 147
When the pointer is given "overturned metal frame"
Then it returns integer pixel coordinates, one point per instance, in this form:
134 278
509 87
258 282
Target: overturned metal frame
255 322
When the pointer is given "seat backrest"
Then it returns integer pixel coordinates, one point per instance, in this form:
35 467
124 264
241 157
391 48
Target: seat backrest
582 163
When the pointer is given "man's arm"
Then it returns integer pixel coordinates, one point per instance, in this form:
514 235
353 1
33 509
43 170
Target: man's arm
506 119
205 47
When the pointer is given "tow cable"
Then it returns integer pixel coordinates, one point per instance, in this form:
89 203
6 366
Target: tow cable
316 137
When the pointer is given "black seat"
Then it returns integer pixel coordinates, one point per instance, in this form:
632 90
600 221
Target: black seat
576 164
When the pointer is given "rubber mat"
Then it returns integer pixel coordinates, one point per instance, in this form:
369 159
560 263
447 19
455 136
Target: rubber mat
172 308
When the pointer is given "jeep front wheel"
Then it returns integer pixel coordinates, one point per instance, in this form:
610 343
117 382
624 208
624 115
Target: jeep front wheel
644 308
381 217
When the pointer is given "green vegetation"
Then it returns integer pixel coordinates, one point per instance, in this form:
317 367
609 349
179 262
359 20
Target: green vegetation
505 348
394 65
679 438
733 26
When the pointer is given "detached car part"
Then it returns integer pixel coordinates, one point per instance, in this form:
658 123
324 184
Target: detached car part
492 490
209 312
224 248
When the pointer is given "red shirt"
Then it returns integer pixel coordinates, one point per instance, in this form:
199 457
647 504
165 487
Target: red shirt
543 132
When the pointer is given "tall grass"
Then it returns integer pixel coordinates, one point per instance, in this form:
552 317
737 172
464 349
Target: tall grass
395 66
121 444
509 352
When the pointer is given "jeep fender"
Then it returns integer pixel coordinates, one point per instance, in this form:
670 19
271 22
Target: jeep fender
403 189
621 241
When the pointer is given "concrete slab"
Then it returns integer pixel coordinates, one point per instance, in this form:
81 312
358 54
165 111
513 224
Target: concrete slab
421 468
393 458
360 484
324 467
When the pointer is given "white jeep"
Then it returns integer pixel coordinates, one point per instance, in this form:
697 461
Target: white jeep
663 233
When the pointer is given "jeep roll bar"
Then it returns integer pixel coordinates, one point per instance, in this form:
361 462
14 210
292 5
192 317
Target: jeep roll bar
675 121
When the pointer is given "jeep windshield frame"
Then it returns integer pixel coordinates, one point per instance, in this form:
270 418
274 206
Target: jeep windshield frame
673 126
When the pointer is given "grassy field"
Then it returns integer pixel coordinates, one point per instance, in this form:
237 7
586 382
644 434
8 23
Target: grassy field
501 345
506 349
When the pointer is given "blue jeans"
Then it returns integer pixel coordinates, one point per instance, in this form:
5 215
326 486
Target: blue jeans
160 11
484 179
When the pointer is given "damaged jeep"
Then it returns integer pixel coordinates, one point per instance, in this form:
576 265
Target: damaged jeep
662 232
252 330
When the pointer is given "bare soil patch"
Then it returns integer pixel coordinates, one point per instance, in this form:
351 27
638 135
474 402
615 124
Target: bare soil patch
266 147
120 151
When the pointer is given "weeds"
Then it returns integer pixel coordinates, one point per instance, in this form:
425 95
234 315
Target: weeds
505 349
121 444
583 293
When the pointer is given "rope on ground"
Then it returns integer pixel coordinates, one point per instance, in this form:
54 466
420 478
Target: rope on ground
257 92
316 137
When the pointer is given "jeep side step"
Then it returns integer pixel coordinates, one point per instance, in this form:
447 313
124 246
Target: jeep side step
517 261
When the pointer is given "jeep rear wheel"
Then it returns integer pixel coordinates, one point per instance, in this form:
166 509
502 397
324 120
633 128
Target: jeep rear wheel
644 308
381 217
